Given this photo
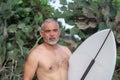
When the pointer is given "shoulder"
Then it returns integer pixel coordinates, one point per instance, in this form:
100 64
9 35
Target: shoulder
36 49
34 53
66 49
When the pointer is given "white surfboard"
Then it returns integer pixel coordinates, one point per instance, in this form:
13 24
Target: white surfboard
100 48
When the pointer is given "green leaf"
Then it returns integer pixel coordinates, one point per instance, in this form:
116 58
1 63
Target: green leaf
1 61
116 2
82 35
118 61
113 11
18 34
63 8
9 46
27 9
26 51
20 42
13 54
44 2
4 49
38 19
26 20
21 25
102 26
27 29
96 1
12 28
3 7
93 8
63 2
57 14
110 25
70 5
71 22
82 4
74 30
1 39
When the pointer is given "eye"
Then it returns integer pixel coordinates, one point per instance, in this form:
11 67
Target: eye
46 31
55 30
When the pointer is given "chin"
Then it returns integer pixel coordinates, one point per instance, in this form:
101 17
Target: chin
52 42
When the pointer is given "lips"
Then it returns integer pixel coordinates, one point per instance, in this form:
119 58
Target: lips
52 39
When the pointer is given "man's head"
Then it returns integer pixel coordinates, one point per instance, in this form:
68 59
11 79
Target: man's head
50 31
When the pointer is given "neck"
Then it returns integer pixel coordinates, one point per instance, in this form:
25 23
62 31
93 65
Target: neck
50 46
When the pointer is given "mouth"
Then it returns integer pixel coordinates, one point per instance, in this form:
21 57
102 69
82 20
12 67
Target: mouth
52 39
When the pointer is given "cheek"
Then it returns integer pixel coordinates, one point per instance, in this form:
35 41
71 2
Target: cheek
58 35
46 36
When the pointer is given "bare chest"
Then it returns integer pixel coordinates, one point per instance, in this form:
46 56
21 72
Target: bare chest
53 61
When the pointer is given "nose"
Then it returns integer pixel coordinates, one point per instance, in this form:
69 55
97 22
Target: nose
52 33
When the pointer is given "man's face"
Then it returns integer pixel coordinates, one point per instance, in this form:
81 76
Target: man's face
50 33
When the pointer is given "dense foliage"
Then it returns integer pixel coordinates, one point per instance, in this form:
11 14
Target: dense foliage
20 22
19 29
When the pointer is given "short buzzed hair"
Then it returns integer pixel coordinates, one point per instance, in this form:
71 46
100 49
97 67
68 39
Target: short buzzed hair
48 21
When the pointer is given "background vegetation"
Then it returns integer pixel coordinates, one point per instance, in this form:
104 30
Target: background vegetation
20 22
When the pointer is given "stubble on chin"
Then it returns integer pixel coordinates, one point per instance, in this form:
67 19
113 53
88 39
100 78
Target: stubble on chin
51 42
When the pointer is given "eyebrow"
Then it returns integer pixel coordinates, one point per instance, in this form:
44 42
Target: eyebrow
50 30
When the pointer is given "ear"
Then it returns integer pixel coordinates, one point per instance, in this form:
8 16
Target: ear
41 33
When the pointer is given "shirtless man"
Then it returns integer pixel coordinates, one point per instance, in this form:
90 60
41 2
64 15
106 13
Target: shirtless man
49 61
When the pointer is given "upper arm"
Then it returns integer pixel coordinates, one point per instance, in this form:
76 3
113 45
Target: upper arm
30 67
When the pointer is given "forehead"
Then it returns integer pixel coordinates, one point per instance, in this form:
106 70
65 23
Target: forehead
50 25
